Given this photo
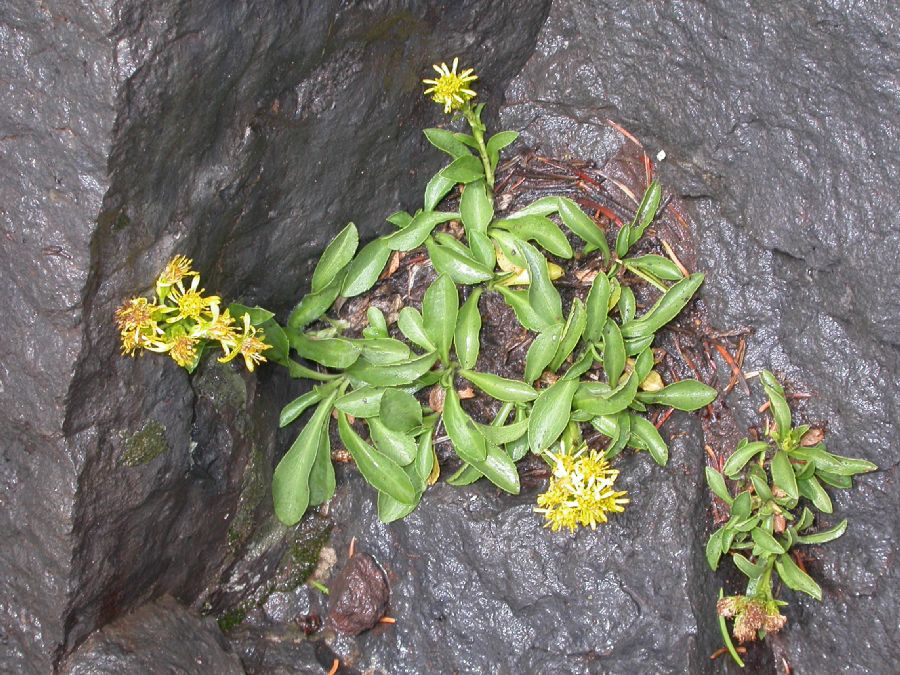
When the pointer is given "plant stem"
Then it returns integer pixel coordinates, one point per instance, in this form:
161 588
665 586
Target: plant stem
726 637
478 133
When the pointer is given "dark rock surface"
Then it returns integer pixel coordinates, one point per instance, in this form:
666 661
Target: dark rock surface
242 135
780 123
159 637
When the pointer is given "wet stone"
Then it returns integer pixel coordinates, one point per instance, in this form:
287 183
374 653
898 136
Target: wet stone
359 596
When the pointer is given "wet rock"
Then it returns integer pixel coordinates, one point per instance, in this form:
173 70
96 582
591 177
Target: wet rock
243 136
779 126
358 596
159 637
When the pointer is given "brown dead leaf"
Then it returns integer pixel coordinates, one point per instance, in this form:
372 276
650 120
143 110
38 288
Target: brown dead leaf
812 437
436 398
466 393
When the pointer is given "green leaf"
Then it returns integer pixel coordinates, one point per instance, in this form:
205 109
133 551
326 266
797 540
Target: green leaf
464 170
525 313
425 457
658 266
396 445
363 402
814 492
650 438
685 395
643 365
550 414
582 363
826 461
483 249
400 411
436 189
365 268
760 482
409 321
314 305
466 475
542 296
540 229
390 510
503 434
613 353
295 408
635 346
321 477
571 334
627 305
446 141
330 352
501 388
832 479
258 315
778 403
290 482
417 231
750 570
335 257
599 399
544 206
460 267
597 308
665 309
541 351
646 212
795 578
476 208
498 468
824 536
766 541
717 484
377 323
622 422
468 328
583 226
399 218
394 374
467 441
383 351
714 549
623 239
497 142
440 307
381 472
744 453
783 474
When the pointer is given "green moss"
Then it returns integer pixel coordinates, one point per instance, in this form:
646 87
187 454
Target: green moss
231 619
254 488
302 557
145 445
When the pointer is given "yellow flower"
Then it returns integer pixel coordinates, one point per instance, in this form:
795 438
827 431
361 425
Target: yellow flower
178 268
182 348
137 321
580 491
190 302
220 327
248 344
450 88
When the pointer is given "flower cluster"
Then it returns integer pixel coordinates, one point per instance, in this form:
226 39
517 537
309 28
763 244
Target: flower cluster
451 89
580 491
182 321
751 615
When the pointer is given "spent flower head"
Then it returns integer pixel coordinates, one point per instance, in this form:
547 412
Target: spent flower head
580 491
178 268
451 89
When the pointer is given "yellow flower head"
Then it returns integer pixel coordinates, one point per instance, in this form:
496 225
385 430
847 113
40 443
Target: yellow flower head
135 313
178 268
249 344
580 491
220 327
450 89
184 351
137 322
190 302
